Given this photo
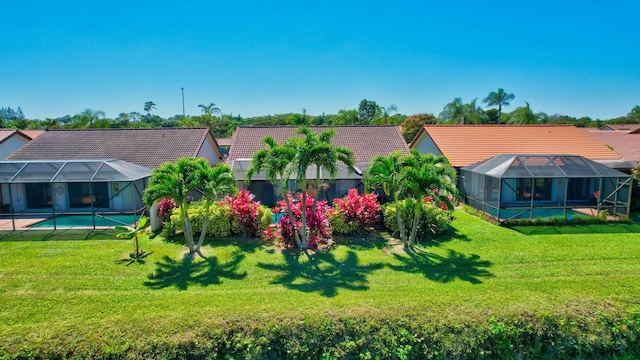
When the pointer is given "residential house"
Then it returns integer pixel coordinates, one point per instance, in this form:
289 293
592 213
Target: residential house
11 140
365 141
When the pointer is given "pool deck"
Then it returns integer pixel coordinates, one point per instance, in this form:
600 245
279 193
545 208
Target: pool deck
22 223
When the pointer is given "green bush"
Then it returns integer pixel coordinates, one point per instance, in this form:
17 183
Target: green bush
340 225
433 221
219 224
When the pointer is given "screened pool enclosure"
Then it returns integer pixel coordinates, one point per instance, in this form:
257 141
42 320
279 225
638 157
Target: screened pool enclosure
54 188
530 186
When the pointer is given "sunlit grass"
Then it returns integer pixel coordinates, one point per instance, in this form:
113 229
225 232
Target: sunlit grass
50 287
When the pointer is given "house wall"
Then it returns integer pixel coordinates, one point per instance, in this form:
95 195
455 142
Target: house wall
209 151
424 145
10 145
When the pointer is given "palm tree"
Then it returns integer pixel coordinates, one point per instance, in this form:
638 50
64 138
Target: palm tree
453 112
499 99
274 161
209 111
385 172
176 180
427 175
523 115
87 117
315 149
213 182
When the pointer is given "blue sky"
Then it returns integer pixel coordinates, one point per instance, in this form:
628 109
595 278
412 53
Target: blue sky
577 58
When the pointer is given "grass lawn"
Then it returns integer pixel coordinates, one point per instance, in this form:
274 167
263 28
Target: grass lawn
56 292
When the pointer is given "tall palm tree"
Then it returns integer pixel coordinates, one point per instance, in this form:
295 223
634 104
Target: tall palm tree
209 111
453 112
427 175
386 172
274 161
499 99
213 182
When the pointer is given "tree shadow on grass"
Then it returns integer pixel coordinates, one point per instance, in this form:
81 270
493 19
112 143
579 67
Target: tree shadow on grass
444 269
246 244
194 271
322 272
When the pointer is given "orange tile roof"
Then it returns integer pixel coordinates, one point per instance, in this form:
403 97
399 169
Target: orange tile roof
467 144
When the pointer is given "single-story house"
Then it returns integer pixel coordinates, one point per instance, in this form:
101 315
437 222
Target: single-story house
366 142
12 140
487 157
94 170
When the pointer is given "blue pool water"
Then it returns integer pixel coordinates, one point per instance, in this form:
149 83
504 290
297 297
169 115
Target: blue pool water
86 221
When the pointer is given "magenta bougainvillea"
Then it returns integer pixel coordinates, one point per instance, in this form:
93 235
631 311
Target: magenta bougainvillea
317 223
245 210
359 211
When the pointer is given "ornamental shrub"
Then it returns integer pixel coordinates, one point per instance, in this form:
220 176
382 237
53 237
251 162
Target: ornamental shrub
434 220
218 225
165 207
317 224
248 217
354 213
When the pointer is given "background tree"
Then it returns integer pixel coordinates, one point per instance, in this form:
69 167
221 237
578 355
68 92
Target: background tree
87 118
523 116
412 125
453 112
634 115
385 114
148 106
499 99
208 112
367 111
346 117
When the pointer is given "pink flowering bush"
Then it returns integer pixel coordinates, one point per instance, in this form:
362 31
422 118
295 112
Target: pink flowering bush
165 207
317 223
248 217
354 213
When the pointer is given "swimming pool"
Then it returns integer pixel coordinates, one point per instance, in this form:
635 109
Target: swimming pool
70 221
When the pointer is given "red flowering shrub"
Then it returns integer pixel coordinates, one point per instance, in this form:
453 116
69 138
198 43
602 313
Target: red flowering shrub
317 223
165 207
355 212
249 216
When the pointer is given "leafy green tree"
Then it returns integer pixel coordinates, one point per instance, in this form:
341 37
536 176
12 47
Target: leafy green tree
176 180
274 161
523 116
636 173
209 111
367 111
634 115
386 172
412 125
148 106
499 99
453 112
346 117
427 175
87 118
50 123
384 114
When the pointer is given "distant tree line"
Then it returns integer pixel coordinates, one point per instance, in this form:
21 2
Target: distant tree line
368 112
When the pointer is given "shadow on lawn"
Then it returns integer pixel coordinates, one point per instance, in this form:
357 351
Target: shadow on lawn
578 229
58 235
194 271
444 269
322 272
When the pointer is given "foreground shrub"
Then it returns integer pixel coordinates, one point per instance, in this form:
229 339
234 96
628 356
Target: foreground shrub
354 213
219 224
590 335
249 218
317 223
434 219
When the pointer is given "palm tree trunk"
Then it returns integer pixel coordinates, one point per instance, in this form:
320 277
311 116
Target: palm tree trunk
188 234
303 231
416 220
291 219
403 236
204 226
317 197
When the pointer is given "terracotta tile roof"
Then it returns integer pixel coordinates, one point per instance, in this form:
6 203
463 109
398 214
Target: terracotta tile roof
146 147
32 134
467 144
224 141
365 141
626 144
6 133
620 127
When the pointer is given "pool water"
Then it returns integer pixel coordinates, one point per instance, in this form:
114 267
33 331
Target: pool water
86 221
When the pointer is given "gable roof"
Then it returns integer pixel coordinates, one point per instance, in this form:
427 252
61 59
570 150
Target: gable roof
626 144
620 127
468 144
145 147
365 141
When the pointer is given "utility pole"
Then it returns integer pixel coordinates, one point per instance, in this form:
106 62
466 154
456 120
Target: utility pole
182 104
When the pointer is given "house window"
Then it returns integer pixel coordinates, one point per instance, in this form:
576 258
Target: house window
80 195
538 189
38 195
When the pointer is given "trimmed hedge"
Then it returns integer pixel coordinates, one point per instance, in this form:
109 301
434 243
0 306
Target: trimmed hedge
580 334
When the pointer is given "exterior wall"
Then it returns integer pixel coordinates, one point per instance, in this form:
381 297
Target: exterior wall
209 151
424 145
10 145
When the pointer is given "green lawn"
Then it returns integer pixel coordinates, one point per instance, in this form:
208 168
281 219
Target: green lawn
60 293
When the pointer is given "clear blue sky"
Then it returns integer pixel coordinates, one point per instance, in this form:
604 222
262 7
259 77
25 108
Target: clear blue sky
577 58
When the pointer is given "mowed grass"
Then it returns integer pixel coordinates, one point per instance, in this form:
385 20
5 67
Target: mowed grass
87 288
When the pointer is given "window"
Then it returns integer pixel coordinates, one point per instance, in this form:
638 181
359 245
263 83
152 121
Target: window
80 195
539 189
38 195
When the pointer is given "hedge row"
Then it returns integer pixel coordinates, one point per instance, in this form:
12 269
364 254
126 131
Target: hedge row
594 335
